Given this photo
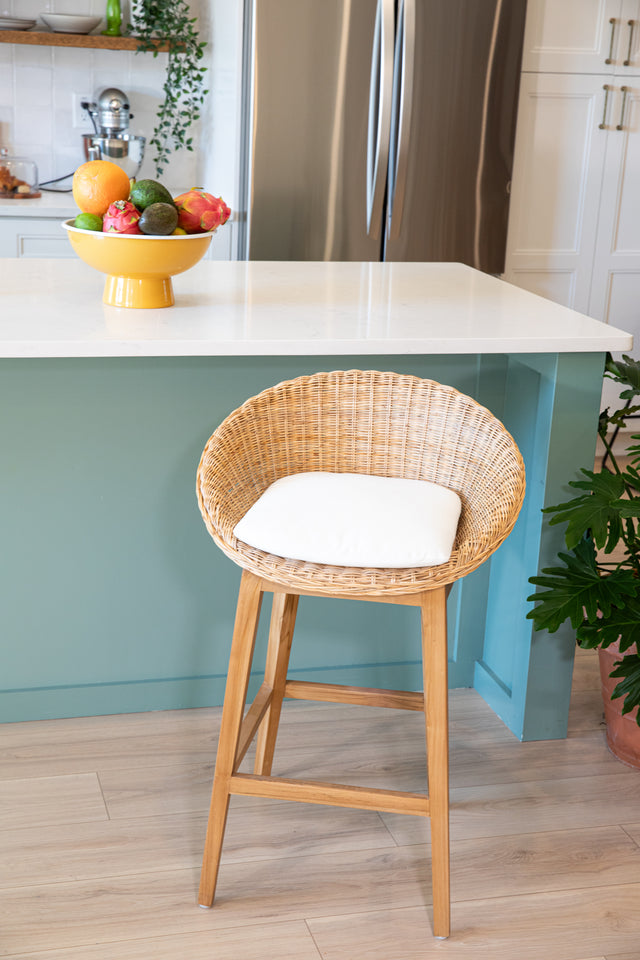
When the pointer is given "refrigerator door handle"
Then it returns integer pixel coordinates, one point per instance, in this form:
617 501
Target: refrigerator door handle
379 131
401 123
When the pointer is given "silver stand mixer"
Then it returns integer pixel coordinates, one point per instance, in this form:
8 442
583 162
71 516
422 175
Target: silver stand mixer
110 115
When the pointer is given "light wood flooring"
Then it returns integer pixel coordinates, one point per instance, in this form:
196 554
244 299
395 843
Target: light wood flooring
102 822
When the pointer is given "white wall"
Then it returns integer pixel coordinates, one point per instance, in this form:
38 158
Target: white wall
37 83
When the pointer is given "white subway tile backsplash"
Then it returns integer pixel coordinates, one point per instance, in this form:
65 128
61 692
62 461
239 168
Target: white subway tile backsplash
6 126
37 83
112 67
29 9
33 88
67 158
6 84
35 130
34 56
75 60
41 158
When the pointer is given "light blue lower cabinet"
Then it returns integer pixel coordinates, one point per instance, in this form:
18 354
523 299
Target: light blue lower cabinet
115 599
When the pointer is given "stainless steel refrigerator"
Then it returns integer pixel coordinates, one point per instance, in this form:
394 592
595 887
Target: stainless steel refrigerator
379 129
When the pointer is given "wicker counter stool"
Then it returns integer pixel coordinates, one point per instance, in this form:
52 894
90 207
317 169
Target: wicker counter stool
349 422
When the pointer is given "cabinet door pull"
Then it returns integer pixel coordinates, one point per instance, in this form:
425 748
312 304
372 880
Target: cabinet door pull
603 125
631 24
613 33
625 91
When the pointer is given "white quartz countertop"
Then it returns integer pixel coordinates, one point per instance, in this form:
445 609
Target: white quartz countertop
53 308
52 205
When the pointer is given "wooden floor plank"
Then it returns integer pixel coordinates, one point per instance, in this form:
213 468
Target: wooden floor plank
67 914
268 830
87 744
633 829
402 762
398 762
157 791
82 851
512 808
62 799
544 865
104 910
567 925
286 941
529 863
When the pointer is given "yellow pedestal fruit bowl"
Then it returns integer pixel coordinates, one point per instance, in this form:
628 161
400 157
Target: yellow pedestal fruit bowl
139 267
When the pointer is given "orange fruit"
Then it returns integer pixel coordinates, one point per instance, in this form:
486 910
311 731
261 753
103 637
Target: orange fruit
98 183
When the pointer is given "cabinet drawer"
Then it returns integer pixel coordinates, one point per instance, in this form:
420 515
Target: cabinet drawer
33 237
43 246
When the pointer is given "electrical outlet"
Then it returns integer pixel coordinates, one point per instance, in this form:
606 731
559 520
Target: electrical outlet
80 118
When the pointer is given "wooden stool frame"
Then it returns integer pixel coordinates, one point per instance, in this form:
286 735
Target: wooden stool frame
364 422
238 729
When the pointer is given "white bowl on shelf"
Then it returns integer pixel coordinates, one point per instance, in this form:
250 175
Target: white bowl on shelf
16 23
69 22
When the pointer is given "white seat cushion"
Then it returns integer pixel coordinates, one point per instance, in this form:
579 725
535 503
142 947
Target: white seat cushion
354 520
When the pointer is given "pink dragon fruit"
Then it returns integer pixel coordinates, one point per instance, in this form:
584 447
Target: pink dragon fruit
121 217
200 212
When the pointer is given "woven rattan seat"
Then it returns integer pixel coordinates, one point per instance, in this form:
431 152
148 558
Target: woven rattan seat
365 422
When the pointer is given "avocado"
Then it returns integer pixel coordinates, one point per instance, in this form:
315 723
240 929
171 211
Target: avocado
159 219
145 192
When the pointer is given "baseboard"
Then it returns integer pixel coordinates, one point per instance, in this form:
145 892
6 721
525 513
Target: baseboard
90 700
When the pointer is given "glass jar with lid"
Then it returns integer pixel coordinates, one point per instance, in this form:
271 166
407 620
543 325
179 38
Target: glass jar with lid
18 177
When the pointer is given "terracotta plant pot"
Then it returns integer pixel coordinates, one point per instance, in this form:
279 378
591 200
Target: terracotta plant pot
623 733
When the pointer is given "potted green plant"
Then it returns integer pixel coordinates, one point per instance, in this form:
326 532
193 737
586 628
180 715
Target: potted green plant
597 583
170 22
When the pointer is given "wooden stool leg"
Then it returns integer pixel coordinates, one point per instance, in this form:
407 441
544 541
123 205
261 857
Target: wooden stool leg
283 618
244 635
434 660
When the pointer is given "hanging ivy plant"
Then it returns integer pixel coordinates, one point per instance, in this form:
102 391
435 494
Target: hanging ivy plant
184 93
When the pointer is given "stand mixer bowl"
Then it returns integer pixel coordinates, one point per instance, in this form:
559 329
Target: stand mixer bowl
126 150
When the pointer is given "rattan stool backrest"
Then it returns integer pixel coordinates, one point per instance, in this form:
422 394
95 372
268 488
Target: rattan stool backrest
355 421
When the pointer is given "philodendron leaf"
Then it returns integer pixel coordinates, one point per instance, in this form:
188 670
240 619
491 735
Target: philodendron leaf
629 687
633 451
618 418
631 475
625 371
597 511
629 508
577 591
622 623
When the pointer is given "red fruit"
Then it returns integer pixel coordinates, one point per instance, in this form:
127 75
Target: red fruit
121 217
200 212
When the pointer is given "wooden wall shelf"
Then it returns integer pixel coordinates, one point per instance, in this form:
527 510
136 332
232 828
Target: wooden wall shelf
92 40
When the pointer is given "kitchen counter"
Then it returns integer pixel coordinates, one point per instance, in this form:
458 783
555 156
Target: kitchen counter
59 206
289 309
114 597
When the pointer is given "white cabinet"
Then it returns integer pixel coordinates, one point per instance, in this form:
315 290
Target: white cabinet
33 237
557 176
574 222
582 36
615 288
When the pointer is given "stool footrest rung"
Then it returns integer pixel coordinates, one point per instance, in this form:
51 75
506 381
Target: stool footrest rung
361 696
331 794
252 721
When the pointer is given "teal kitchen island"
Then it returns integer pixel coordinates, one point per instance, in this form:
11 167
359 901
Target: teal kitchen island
114 598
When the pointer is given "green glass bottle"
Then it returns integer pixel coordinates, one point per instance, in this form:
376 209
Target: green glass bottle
114 19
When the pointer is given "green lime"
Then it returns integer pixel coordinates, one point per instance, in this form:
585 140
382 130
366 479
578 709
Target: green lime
88 221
